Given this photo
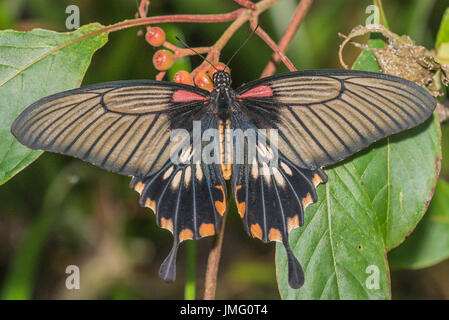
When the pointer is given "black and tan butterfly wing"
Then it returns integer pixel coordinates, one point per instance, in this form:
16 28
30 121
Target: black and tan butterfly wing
189 198
123 127
325 116
126 127
271 196
320 117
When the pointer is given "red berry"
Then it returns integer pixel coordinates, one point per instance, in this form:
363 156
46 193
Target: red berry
183 76
163 60
218 67
203 81
155 36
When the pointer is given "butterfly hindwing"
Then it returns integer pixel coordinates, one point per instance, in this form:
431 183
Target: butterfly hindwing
188 198
271 194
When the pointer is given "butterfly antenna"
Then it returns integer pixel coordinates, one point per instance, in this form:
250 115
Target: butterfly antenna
242 45
138 7
189 47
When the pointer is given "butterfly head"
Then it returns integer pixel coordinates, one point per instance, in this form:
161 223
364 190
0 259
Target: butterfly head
221 79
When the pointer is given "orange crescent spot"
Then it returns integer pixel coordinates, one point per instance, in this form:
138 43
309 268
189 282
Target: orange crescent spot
207 229
139 187
316 180
275 235
221 205
256 231
241 206
167 224
292 223
185 234
151 204
306 201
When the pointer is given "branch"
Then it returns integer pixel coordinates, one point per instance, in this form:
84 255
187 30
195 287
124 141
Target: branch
182 52
214 53
247 4
143 8
295 22
265 37
213 262
246 15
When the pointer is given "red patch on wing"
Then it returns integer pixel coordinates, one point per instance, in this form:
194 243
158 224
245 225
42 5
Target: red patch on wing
258 92
186 96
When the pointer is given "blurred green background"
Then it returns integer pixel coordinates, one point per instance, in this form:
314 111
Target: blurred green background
69 212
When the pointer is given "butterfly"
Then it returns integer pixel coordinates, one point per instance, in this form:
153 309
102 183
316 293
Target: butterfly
320 117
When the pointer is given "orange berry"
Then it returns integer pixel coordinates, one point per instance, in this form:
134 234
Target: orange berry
183 76
155 36
219 66
203 81
163 60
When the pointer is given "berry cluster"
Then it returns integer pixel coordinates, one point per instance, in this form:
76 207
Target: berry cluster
163 60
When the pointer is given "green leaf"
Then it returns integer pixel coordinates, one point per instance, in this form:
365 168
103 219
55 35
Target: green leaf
368 206
443 32
28 74
429 243
367 62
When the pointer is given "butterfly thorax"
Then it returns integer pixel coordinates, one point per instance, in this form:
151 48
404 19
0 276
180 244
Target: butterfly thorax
222 94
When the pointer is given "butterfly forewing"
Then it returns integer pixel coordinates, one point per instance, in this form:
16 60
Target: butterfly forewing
123 127
326 116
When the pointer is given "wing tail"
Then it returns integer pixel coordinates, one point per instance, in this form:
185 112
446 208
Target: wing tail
272 200
188 197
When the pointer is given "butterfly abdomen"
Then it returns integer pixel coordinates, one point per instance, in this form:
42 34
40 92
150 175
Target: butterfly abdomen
225 134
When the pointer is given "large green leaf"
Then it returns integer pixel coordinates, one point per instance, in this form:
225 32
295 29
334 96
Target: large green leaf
25 78
443 32
368 206
429 243
442 41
